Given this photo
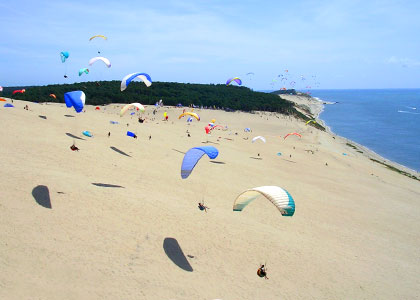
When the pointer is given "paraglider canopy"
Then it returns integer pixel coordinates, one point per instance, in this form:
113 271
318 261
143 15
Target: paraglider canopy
83 70
192 157
64 55
103 59
87 133
197 117
234 79
97 108
292 133
131 105
8 105
98 35
278 196
53 96
18 91
130 77
258 138
75 99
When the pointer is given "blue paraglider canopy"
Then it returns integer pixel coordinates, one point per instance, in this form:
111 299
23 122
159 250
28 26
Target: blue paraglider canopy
87 133
129 133
192 157
8 105
113 122
75 99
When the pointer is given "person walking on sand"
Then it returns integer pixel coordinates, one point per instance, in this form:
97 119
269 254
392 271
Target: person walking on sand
150 137
109 133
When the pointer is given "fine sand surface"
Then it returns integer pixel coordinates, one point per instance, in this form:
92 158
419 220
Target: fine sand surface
116 221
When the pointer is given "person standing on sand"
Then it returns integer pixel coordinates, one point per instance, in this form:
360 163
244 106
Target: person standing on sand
262 272
109 133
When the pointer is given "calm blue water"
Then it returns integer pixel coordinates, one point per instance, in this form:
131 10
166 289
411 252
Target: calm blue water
385 121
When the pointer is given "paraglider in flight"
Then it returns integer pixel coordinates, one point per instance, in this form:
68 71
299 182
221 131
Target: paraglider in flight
188 113
1 89
98 35
192 157
54 96
276 195
18 91
258 138
130 77
247 129
292 133
87 133
235 79
250 73
132 105
83 70
103 59
64 55
75 99
132 134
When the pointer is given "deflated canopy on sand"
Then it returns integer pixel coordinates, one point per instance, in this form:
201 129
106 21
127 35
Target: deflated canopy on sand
131 105
103 59
188 113
75 99
313 121
8 105
258 138
192 157
234 79
130 77
278 196
292 133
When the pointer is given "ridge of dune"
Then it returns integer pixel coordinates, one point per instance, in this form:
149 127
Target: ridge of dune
119 209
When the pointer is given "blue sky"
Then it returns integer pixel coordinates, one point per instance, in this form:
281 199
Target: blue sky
344 44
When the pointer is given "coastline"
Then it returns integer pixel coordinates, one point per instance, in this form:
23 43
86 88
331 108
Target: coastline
316 107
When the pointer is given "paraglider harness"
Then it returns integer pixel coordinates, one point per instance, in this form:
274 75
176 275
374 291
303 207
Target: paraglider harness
74 148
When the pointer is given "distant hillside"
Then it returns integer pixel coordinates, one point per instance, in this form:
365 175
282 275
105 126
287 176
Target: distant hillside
210 95
282 92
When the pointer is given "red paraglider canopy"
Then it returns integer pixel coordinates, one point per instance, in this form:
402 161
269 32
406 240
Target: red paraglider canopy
97 108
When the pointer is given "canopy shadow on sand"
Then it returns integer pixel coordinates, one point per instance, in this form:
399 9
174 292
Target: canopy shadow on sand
69 116
42 117
217 162
178 151
42 196
74 136
107 185
174 252
119 151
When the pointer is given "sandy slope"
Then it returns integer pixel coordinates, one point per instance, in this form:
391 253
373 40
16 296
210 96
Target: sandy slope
355 233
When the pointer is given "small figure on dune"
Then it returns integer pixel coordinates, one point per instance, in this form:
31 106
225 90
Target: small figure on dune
262 272
201 206
74 148
109 133
65 76
189 135
326 164
135 136
150 137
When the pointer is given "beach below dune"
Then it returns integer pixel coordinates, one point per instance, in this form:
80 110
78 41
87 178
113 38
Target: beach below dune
114 213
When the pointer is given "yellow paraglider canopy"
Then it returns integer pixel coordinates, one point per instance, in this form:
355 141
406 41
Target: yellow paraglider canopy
190 114
98 35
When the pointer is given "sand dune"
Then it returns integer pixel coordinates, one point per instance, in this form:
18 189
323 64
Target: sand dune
116 221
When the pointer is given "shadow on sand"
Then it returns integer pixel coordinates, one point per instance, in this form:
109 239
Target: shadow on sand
74 136
119 151
42 117
178 151
174 252
69 116
107 185
42 196
217 162
259 158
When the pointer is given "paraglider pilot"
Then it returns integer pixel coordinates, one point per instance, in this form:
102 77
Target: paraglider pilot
262 272
201 206
74 148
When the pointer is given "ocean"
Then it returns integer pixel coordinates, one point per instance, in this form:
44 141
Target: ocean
387 121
